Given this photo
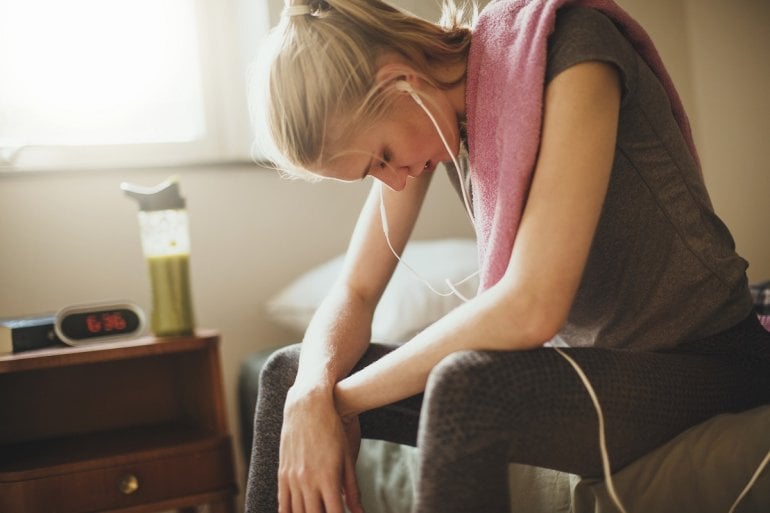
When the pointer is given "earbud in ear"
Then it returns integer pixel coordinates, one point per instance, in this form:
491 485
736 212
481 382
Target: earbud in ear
403 85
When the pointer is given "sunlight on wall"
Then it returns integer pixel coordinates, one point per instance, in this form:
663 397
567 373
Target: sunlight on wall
99 72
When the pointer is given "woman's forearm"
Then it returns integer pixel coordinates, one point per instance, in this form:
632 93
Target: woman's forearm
336 338
340 330
485 323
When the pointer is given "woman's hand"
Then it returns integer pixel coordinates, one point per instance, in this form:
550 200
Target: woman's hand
353 434
317 456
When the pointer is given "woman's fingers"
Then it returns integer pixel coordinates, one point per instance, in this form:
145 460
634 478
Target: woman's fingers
297 502
313 502
350 486
284 497
352 428
315 463
310 476
332 500
301 496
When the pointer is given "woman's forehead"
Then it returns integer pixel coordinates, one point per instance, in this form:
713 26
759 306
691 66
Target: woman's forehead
350 165
350 158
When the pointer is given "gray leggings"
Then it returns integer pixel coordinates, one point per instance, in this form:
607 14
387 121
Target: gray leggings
484 409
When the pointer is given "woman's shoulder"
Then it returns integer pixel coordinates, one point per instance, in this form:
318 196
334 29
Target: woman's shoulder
583 34
585 23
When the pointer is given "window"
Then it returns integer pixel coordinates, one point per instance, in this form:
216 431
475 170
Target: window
121 83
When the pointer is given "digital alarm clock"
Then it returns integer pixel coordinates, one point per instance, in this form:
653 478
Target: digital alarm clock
89 323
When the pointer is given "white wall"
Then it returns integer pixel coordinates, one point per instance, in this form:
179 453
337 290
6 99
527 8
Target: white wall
729 55
718 54
72 237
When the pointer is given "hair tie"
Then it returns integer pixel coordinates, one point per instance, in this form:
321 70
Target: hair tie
296 10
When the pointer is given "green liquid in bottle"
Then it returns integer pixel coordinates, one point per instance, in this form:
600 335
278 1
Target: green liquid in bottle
172 312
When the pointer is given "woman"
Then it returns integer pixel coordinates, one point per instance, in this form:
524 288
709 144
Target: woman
579 150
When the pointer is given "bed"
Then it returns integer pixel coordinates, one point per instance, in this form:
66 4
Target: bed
704 469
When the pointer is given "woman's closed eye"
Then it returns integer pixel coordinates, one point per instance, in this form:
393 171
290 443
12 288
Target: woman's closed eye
386 158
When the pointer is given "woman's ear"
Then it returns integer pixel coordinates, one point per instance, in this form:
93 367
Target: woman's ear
395 71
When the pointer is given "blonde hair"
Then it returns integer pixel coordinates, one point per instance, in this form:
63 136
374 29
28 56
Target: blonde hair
323 64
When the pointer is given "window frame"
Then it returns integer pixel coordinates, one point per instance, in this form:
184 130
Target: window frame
227 43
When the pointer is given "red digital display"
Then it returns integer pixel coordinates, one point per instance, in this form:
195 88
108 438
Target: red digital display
106 322
93 324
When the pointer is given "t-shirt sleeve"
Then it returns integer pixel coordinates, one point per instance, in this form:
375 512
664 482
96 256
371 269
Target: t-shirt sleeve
582 34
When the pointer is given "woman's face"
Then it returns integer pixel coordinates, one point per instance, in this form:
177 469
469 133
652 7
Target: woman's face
405 144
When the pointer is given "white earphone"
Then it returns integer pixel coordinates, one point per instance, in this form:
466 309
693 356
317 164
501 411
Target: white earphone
404 86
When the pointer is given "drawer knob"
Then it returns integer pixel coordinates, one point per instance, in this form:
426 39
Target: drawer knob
128 484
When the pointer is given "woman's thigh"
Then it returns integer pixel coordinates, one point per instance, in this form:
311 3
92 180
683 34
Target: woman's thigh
535 407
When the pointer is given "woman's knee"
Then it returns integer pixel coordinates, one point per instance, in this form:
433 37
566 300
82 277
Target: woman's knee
457 373
475 372
479 384
461 416
280 368
462 390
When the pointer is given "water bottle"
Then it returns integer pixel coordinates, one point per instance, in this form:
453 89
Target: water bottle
165 238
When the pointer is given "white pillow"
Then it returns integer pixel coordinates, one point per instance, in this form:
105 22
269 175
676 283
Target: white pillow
407 306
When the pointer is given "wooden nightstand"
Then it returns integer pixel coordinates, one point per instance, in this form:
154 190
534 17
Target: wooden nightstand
131 426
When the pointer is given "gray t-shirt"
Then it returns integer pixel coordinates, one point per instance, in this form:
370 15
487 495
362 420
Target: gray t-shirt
662 267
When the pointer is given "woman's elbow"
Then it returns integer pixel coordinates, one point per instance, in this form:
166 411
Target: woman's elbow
530 322
544 324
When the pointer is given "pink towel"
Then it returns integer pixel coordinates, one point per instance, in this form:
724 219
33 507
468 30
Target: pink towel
504 99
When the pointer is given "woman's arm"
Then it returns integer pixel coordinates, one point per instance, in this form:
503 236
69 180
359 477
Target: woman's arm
340 330
530 304
316 461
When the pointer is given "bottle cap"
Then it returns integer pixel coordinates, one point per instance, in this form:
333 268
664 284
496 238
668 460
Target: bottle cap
164 196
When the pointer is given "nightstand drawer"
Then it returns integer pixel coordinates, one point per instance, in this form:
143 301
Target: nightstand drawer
146 480
133 426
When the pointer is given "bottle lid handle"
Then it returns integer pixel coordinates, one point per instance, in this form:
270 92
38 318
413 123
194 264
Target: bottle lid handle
164 196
